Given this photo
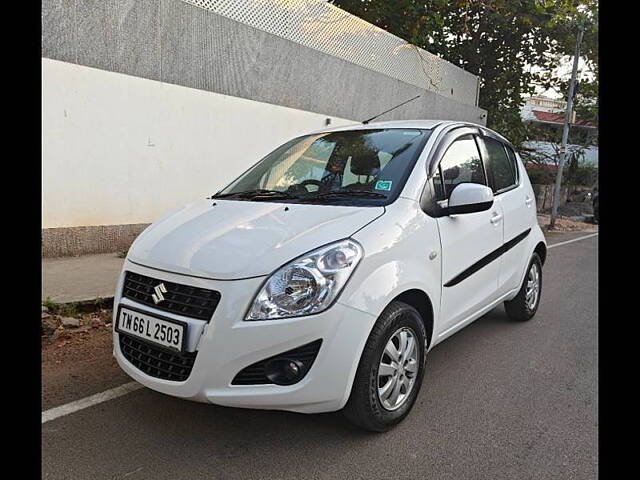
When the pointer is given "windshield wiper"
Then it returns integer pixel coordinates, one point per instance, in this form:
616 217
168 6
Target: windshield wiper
264 194
346 193
257 193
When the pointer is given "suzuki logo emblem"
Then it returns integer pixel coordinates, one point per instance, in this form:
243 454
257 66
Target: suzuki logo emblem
158 297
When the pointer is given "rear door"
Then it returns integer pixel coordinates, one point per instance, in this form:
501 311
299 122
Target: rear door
510 193
469 277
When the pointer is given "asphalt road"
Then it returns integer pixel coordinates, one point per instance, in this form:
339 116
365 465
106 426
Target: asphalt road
501 400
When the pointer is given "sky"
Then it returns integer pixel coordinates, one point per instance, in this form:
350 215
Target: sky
564 71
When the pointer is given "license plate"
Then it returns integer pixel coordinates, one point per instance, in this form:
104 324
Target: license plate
161 331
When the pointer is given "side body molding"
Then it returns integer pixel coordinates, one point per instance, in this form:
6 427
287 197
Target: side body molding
487 259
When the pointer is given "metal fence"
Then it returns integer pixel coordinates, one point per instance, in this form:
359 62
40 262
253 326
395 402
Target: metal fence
324 27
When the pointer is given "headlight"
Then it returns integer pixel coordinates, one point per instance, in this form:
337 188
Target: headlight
308 284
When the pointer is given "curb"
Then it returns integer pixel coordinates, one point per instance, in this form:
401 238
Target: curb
90 304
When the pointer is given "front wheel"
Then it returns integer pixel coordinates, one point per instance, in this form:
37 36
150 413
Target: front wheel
390 371
525 304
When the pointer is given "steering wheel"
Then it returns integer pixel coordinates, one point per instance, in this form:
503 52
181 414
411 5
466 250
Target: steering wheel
311 181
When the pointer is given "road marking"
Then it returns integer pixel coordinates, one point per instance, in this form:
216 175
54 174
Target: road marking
87 402
571 241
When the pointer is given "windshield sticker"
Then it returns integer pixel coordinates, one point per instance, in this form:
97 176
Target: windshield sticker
384 185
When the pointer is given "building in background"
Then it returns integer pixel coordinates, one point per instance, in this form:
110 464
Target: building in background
545 118
149 105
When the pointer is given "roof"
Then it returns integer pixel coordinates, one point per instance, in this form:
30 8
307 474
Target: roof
425 124
552 117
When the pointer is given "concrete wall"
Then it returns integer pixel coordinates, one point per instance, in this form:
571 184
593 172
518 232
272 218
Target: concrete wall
179 43
150 104
119 149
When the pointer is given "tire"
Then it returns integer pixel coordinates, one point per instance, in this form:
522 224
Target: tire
365 407
519 308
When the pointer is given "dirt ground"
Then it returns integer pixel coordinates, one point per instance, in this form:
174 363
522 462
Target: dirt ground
574 209
565 224
78 363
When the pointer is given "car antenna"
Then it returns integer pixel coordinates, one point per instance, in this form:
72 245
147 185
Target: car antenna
387 111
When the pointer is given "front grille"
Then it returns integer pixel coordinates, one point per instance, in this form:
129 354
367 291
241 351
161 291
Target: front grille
255 374
184 300
157 362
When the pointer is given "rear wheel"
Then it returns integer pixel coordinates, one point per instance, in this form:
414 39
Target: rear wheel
390 372
525 304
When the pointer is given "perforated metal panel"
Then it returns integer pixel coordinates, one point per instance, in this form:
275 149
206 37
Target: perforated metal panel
329 29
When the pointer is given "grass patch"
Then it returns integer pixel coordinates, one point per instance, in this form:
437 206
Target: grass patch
77 309
62 309
50 304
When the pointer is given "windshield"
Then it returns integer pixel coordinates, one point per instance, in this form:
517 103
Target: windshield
346 167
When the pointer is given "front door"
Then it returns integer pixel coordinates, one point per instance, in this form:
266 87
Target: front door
469 241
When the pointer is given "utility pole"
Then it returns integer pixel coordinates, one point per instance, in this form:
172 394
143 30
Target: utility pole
565 131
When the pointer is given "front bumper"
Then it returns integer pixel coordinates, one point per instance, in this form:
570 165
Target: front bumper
226 344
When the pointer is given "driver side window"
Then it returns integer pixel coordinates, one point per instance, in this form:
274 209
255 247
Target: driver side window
461 163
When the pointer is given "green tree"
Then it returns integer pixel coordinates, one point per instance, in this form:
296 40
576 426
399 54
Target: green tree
514 46
585 16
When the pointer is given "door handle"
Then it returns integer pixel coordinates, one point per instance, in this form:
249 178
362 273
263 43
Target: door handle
528 201
496 218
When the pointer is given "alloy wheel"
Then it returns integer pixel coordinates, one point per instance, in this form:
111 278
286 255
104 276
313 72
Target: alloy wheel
398 369
533 287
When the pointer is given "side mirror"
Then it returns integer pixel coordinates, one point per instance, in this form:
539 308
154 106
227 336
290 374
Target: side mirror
469 198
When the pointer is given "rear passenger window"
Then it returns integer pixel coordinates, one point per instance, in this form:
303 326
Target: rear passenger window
502 167
514 161
460 164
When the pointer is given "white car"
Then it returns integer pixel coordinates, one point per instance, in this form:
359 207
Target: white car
320 278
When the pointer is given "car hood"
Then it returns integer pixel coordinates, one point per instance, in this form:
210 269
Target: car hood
242 239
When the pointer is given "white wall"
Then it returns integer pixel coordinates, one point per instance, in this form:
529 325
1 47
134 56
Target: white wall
118 149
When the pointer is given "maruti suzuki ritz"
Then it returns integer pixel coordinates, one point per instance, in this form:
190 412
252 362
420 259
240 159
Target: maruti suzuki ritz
319 279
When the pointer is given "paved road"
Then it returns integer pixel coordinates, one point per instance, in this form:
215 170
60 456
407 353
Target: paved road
501 400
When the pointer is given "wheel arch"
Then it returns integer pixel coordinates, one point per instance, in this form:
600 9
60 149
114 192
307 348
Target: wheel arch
541 250
419 299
